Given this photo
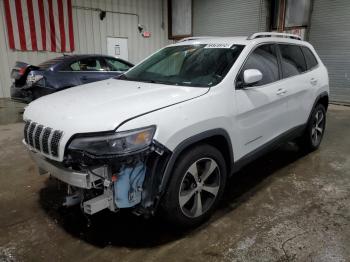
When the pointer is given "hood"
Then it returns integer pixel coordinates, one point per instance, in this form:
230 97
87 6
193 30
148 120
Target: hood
104 105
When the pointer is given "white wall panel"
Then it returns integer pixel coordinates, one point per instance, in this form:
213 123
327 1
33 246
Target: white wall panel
90 33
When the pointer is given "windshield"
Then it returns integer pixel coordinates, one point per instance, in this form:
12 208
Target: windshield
202 65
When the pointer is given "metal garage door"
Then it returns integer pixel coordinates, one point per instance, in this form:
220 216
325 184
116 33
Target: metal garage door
330 35
228 17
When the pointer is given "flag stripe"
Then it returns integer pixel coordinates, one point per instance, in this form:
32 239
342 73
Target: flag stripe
61 20
32 25
70 25
22 34
9 24
57 25
39 25
15 25
52 27
25 17
65 11
42 23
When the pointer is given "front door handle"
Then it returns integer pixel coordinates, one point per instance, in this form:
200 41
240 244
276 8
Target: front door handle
281 91
313 81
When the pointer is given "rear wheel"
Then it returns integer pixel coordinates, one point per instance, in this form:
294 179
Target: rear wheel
196 186
314 132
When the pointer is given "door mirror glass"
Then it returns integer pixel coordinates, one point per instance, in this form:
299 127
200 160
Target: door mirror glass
252 76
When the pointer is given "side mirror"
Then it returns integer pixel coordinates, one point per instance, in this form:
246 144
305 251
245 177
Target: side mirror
251 76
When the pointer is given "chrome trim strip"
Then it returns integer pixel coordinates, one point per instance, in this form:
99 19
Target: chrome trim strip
31 122
41 139
34 132
49 142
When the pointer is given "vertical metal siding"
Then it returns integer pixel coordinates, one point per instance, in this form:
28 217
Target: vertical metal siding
90 33
330 35
228 18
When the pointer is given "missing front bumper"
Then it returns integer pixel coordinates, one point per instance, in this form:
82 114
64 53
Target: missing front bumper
74 178
131 182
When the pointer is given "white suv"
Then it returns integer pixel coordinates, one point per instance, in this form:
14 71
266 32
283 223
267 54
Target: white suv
169 132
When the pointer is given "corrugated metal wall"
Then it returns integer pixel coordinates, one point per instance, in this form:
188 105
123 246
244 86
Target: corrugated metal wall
228 17
330 35
90 33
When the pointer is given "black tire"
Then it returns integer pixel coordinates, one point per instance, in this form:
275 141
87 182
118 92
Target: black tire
307 141
211 167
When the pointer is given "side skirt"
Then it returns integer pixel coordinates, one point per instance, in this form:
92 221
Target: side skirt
269 146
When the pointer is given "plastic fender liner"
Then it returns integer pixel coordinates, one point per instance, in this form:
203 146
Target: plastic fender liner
151 188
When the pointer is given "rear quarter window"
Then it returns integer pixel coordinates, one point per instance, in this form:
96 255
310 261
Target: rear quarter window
293 61
310 58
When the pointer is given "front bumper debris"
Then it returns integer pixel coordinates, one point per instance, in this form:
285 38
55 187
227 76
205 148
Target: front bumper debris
124 182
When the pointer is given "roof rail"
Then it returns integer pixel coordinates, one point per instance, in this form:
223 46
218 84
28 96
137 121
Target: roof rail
273 34
194 38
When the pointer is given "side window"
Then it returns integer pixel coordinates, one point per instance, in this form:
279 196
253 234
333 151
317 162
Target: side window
263 58
88 64
292 60
311 60
116 65
75 66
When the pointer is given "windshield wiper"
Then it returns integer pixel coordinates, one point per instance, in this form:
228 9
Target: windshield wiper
121 77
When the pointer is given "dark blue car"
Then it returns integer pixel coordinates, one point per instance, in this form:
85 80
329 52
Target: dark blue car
32 82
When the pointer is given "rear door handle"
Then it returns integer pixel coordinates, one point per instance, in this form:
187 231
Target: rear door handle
313 81
281 91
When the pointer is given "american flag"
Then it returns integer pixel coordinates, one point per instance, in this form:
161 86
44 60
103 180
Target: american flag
39 25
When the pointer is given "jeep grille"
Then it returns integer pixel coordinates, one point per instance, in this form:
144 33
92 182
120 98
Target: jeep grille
43 139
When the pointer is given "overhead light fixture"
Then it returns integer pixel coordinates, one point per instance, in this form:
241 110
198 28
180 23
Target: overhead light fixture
102 15
140 27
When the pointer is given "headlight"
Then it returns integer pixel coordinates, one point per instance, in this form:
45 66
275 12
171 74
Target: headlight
119 143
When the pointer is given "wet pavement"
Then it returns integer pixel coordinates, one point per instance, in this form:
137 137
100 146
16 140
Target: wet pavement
286 206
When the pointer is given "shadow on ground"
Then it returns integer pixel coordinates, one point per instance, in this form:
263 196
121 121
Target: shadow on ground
127 230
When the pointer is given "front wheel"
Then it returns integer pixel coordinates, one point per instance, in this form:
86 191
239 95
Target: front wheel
314 132
196 186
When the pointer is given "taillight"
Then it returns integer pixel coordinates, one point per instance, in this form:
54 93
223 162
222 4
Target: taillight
22 70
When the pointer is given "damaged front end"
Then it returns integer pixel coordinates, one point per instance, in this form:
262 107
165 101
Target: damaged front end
112 171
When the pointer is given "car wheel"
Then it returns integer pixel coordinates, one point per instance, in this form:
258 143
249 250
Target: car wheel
314 132
196 186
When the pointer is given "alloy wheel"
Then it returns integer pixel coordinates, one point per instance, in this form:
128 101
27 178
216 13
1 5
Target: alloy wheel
199 187
317 128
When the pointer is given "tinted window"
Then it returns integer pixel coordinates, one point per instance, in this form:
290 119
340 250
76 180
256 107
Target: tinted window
293 62
311 60
116 65
88 64
263 58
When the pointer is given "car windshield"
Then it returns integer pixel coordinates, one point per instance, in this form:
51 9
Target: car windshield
203 65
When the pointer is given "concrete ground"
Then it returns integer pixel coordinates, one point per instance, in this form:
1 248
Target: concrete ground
284 207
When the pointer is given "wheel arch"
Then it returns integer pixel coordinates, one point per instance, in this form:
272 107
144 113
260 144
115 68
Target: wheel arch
323 99
218 138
